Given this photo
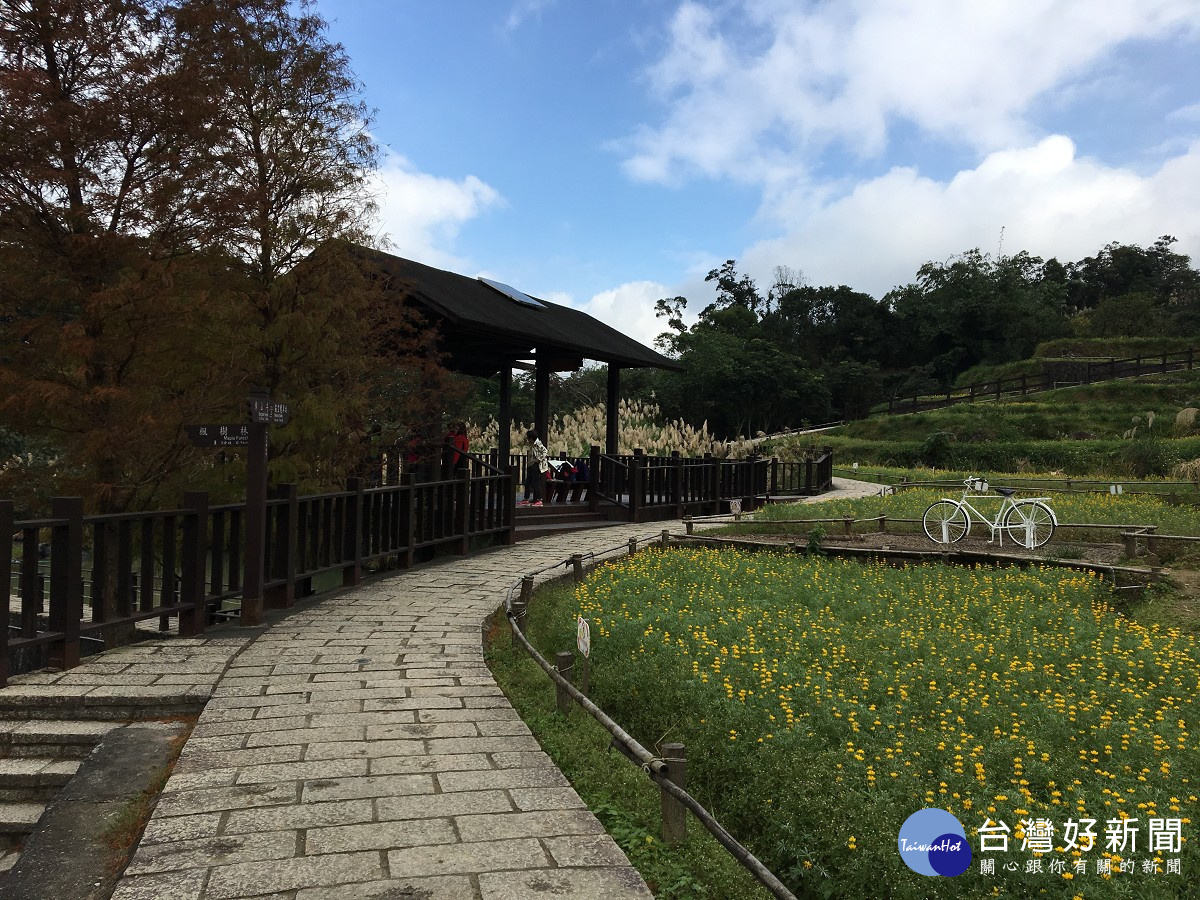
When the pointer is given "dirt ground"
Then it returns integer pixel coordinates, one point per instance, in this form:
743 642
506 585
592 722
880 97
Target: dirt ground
1102 554
1179 605
1106 554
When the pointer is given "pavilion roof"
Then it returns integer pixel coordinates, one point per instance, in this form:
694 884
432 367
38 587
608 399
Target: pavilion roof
483 330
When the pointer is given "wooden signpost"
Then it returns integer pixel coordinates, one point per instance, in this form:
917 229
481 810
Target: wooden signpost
262 413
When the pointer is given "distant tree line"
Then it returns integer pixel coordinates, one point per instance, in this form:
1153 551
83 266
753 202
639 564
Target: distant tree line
804 354
800 354
167 170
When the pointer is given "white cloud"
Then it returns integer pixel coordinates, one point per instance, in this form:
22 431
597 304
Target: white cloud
756 89
629 308
421 214
522 10
1185 114
1048 201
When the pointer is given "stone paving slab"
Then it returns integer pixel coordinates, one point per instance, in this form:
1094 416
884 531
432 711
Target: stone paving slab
361 748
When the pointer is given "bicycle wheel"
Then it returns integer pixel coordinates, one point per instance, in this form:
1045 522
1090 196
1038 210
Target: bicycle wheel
945 522
1030 523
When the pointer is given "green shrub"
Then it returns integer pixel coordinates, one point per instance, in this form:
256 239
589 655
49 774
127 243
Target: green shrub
1116 347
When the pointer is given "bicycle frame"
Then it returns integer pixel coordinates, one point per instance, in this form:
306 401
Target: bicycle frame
974 515
1029 521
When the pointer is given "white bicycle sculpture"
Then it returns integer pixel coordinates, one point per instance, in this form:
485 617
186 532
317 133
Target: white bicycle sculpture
1029 521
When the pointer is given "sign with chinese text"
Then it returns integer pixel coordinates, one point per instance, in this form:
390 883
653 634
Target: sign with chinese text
218 435
266 412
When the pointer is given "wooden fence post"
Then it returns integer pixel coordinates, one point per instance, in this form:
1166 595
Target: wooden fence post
577 566
462 521
352 534
594 479
666 538
408 506
632 546
66 580
711 493
564 664
636 478
6 556
674 813
510 507
1130 544
519 608
688 523
282 556
194 617
677 482
257 477
527 588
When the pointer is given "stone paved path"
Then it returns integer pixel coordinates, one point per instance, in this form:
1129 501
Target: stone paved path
361 749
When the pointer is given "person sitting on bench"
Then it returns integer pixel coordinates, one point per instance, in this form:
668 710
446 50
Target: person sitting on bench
568 485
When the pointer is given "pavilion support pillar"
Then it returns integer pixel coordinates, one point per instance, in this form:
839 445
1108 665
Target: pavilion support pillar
504 438
612 415
541 396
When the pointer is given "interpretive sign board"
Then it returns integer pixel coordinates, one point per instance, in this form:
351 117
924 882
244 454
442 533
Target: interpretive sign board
218 435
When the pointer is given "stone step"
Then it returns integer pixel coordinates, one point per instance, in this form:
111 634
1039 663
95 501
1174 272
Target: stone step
8 857
63 738
33 701
556 511
540 529
34 779
19 818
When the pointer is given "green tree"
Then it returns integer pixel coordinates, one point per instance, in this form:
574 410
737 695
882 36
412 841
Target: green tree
975 309
736 375
1121 279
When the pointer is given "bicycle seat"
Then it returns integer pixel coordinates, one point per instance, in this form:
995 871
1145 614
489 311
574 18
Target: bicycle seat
1006 492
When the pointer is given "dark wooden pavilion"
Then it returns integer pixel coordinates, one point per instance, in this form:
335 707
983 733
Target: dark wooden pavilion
488 328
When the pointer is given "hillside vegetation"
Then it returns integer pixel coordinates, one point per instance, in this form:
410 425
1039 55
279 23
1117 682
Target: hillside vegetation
1123 427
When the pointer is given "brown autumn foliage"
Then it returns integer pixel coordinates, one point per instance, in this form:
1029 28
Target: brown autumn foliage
164 167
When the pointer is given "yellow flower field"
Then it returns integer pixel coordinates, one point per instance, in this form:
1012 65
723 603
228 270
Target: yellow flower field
824 701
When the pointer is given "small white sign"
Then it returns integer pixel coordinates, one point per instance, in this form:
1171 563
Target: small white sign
583 636
1116 489
735 507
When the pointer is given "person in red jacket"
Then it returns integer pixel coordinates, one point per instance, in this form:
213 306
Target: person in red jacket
455 447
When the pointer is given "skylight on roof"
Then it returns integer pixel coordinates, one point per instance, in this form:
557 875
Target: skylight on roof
513 294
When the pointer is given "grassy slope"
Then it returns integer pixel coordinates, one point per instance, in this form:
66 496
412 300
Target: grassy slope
1101 410
1077 430
624 799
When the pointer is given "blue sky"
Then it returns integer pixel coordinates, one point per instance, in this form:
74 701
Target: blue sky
608 153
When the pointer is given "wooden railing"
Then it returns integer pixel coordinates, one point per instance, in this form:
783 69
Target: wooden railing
1084 371
657 487
72 579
